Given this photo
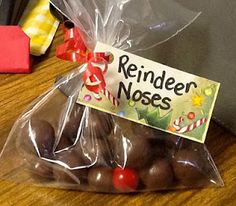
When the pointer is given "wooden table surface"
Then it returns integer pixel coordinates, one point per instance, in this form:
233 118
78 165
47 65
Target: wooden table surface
17 91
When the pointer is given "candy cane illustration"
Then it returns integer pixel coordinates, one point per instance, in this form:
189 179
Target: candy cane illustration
97 96
193 126
110 97
189 127
177 123
106 93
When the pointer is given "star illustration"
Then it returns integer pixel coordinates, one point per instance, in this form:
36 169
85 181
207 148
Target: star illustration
197 100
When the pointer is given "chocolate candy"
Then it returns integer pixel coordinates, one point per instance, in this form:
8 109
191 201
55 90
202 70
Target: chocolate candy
122 124
64 143
159 151
38 141
42 133
149 133
157 147
187 166
156 138
131 151
140 153
158 176
99 124
42 168
144 131
72 159
39 167
96 150
100 179
172 144
172 141
73 122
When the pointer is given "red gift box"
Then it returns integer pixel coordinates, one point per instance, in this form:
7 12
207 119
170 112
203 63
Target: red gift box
14 50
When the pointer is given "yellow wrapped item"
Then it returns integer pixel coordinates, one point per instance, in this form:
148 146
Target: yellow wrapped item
38 23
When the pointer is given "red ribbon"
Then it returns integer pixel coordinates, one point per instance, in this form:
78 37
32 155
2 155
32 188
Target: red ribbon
93 77
74 49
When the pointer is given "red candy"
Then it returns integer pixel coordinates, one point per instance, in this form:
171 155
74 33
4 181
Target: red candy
125 180
191 115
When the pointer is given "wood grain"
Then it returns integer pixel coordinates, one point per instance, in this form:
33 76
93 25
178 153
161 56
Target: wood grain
17 91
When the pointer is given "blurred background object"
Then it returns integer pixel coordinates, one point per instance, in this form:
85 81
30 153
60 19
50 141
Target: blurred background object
39 24
11 11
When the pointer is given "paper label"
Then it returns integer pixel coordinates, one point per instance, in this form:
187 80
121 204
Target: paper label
155 95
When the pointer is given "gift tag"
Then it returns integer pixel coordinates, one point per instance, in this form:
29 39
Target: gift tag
153 94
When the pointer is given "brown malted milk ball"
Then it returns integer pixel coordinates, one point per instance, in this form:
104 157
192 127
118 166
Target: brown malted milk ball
158 176
99 124
131 151
146 132
149 132
158 148
188 166
100 179
172 144
73 122
64 143
172 141
122 124
40 167
69 174
96 150
42 133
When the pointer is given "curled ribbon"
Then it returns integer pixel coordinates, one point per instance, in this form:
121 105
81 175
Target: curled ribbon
74 49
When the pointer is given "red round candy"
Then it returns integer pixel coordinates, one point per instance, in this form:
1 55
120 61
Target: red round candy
191 115
125 180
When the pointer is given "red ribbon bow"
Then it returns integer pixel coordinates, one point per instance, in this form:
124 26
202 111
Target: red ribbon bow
74 49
